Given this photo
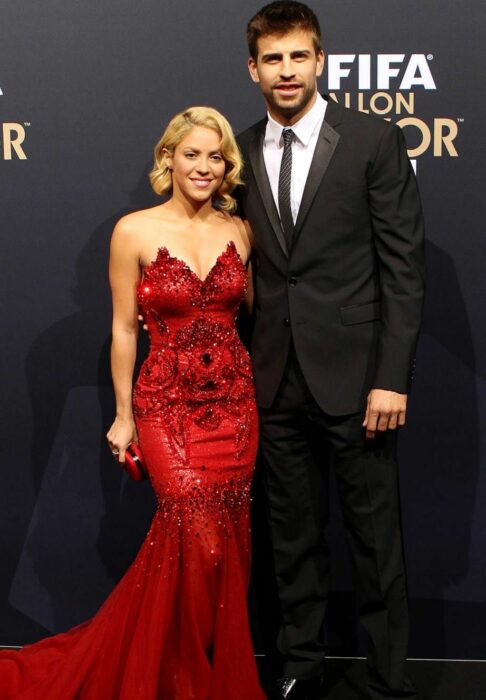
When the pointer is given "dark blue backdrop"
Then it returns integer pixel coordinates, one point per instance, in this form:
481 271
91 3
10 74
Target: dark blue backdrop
88 87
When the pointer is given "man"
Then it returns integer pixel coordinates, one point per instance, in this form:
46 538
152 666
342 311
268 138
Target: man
339 276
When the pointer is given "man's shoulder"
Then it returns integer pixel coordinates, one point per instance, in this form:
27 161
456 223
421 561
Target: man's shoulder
370 124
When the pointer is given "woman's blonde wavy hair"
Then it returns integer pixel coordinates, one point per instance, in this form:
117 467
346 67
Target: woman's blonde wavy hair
178 127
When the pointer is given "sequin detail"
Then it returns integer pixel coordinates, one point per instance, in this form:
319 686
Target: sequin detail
202 509
198 371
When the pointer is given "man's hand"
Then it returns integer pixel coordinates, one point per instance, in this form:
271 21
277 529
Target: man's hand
386 410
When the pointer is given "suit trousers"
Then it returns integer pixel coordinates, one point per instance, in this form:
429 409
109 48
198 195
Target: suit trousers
299 442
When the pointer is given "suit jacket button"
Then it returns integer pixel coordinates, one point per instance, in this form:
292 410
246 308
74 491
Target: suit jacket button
293 281
286 322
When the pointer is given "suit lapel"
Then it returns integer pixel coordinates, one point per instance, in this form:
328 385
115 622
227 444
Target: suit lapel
260 172
325 147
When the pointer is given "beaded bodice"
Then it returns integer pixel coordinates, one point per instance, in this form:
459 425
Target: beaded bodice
197 370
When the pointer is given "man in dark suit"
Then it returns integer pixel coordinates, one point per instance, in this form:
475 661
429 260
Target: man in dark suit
339 277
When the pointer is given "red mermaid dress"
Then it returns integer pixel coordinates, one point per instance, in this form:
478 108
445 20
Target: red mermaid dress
176 625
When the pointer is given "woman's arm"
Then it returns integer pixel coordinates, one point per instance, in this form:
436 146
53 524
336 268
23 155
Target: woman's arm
124 272
247 238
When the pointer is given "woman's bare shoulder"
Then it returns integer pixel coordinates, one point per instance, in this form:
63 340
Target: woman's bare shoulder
133 227
138 218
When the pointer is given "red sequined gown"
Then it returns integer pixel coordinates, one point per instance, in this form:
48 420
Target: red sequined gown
176 626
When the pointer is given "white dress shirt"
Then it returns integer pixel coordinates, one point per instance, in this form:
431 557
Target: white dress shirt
306 131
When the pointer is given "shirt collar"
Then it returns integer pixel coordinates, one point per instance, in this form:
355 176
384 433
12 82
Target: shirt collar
303 129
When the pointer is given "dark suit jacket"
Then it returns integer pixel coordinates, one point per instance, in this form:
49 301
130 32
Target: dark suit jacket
350 289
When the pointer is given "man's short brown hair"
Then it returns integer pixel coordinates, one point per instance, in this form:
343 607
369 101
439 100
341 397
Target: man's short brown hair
280 18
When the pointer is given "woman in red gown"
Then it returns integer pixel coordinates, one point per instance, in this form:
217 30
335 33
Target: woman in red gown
176 626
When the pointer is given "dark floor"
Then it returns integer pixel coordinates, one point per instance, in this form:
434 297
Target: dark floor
436 680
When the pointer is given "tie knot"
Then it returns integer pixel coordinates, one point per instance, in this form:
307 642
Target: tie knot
288 136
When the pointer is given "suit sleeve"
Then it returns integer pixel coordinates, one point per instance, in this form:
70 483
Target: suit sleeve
398 229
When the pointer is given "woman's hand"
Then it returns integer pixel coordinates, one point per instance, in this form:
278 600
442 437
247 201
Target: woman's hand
120 435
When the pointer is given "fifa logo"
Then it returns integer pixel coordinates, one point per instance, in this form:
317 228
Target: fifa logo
387 67
386 85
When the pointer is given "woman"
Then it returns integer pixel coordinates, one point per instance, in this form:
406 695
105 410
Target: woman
175 627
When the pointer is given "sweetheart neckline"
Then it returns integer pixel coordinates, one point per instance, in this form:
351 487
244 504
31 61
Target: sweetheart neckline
230 245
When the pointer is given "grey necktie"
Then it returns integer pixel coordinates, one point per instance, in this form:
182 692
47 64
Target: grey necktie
284 181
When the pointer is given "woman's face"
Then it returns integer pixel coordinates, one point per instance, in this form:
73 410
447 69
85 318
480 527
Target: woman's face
197 165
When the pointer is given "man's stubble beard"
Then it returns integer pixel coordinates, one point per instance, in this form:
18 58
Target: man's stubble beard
290 110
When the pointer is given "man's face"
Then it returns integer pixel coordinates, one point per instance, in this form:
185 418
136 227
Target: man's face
286 69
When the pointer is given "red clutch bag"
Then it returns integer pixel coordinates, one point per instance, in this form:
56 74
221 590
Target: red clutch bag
134 464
